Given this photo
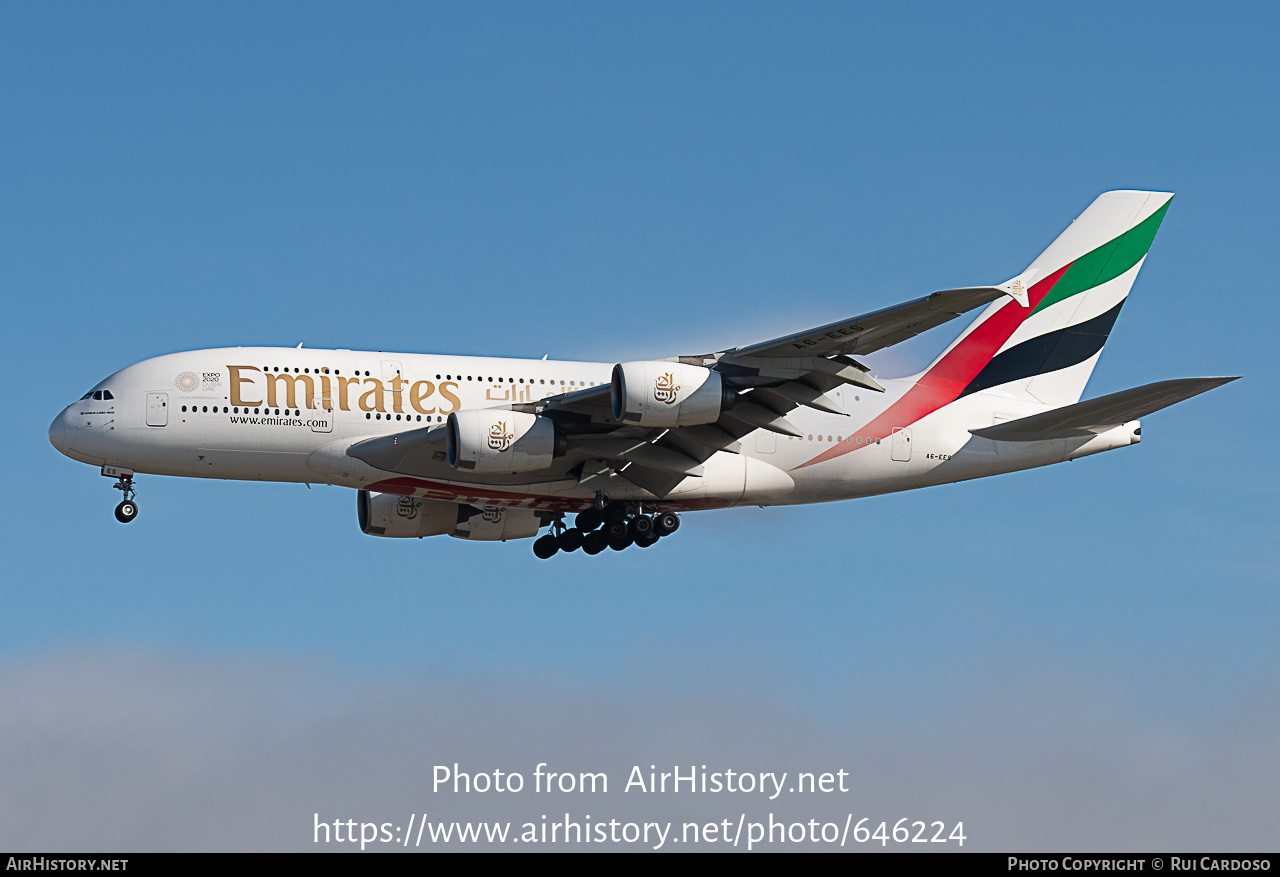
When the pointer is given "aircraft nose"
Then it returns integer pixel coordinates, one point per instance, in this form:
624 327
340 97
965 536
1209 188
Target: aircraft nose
58 432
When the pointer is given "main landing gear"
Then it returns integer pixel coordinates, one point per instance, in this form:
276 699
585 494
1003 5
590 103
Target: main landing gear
128 509
615 525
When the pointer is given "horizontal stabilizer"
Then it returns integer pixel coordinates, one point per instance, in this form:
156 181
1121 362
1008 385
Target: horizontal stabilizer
1101 414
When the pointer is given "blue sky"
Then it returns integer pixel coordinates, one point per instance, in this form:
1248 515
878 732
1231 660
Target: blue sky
611 182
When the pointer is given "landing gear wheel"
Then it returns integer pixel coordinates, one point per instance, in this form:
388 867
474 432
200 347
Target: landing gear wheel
569 540
588 520
617 534
595 542
545 547
642 527
646 541
126 511
615 512
668 523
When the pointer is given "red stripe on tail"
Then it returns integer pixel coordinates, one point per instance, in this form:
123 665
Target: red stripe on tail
942 383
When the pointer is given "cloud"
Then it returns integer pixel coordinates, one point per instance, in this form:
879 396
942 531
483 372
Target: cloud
127 751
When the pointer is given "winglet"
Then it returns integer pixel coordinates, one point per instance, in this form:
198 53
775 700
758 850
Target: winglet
1016 289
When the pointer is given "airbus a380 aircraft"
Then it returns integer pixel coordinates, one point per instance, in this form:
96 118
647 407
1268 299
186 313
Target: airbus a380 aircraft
495 449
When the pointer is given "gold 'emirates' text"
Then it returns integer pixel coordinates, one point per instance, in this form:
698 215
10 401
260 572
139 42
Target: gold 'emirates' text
319 392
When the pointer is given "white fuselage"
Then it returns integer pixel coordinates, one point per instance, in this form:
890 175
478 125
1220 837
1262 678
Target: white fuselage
284 414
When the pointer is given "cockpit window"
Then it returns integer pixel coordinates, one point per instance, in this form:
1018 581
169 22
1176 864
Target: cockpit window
106 394
97 395
86 395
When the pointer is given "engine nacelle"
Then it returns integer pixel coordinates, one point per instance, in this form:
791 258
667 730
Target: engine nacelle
494 523
406 517
494 440
667 394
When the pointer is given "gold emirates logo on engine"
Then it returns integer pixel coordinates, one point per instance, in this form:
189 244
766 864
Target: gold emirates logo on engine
499 438
665 389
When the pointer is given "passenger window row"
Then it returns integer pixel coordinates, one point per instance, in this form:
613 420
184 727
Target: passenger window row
442 377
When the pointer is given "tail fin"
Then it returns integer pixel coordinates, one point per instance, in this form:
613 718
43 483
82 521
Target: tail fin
1044 345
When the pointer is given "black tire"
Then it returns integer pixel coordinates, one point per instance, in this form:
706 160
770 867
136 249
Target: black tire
588 520
546 547
668 523
621 543
569 540
615 512
642 527
595 542
126 511
647 541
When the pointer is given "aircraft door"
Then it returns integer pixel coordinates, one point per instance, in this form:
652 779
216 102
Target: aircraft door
901 444
391 371
322 415
157 409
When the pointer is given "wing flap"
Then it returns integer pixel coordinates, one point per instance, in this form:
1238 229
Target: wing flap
796 393
642 452
1101 414
658 483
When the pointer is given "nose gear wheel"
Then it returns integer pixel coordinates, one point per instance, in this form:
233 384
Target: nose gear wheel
128 509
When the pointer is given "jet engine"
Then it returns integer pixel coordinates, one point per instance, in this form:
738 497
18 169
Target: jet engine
386 514
667 394
499 441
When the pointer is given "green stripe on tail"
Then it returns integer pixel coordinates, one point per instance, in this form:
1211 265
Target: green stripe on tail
1107 262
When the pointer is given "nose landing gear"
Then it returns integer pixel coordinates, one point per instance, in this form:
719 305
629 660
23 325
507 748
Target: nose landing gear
128 509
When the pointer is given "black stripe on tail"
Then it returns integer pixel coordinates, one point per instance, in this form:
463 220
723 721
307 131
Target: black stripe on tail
1046 353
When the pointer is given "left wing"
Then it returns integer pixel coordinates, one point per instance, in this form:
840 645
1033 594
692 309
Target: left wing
878 329
767 380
